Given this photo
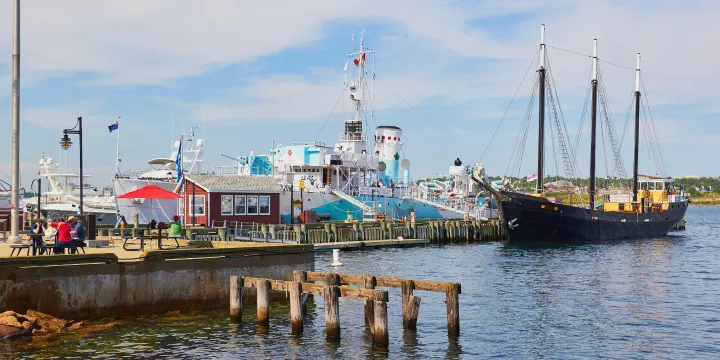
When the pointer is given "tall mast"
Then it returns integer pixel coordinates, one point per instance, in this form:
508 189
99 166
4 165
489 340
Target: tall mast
541 114
15 164
593 125
637 128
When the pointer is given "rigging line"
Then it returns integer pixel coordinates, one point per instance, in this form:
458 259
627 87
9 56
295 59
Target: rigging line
331 112
586 55
509 105
142 147
652 121
424 116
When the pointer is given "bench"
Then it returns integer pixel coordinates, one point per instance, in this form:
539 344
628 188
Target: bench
19 248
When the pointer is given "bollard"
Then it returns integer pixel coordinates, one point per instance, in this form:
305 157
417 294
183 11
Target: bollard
336 258
263 302
380 335
370 283
453 308
296 308
236 294
332 312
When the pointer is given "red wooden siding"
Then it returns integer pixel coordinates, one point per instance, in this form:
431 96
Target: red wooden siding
213 207
199 219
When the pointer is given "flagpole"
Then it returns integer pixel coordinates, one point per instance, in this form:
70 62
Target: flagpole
117 150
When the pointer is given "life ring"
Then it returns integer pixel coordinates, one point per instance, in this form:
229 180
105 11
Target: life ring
646 193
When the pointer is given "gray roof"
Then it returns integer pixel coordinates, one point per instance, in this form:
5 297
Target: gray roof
214 183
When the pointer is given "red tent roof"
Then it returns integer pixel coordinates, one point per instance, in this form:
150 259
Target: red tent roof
150 192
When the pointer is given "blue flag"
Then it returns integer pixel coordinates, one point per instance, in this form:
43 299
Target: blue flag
113 126
178 162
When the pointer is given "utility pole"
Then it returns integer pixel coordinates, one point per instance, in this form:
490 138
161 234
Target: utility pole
15 162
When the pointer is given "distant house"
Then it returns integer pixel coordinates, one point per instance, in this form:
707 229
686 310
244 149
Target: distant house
231 198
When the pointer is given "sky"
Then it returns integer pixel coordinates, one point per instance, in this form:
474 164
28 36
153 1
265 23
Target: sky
248 73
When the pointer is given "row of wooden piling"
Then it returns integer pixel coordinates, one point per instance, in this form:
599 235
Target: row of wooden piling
439 231
336 286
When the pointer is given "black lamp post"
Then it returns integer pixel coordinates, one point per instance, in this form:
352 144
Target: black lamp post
39 193
65 143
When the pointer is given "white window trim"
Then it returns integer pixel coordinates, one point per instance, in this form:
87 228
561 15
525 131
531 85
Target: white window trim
269 206
232 205
247 205
244 206
193 204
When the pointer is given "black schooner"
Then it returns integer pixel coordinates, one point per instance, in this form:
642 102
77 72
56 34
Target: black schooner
652 211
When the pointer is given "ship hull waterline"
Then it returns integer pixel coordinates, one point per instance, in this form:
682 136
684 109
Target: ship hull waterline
529 221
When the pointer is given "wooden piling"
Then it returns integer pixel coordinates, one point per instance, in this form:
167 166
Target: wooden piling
263 302
296 311
332 312
301 276
380 336
236 295
333 279
407 287
453 308
370 283
411 312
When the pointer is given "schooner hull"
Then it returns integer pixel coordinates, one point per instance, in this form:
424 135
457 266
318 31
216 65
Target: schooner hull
535 219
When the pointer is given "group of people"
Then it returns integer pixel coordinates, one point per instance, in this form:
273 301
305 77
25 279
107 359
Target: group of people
174 227
70 233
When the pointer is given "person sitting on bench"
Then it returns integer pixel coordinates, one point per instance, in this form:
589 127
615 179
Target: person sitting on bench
77 232
36 236
62 239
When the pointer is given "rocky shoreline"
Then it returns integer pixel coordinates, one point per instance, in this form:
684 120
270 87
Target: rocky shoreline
15 326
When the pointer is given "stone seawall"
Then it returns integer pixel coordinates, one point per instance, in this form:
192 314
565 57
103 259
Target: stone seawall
123 288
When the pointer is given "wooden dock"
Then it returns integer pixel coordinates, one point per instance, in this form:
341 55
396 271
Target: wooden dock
338 285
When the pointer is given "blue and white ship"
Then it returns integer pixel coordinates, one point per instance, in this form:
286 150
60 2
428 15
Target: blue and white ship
350 179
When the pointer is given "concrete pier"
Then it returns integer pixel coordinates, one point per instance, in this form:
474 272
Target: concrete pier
103 286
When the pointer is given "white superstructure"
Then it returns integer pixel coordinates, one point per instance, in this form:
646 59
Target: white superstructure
162 173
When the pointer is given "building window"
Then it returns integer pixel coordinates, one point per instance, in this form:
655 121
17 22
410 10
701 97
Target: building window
197 205
240 205
265 205
252 205
226 205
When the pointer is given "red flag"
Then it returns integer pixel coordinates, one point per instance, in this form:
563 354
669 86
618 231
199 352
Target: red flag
363 56
357 62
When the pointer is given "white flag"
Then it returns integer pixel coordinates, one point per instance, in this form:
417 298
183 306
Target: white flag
345 70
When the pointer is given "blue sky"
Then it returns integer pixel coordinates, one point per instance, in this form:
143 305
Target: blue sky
250 74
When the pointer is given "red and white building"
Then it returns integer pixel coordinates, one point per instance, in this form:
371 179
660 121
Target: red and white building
218 198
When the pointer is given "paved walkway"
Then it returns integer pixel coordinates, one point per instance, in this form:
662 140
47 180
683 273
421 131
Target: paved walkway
126 255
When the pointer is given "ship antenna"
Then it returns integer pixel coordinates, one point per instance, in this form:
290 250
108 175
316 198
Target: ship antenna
637 129
593 126
541 114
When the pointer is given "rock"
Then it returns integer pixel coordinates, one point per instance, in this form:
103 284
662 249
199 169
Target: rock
75 325
12 332
10 321
48 322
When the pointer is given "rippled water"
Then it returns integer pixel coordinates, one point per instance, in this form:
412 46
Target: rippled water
655 299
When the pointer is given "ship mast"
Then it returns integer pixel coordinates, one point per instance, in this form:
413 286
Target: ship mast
593 126
637 129
541 114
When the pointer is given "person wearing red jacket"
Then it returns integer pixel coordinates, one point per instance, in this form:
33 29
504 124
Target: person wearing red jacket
62 238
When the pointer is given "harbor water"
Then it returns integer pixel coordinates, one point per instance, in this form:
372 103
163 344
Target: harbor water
637 299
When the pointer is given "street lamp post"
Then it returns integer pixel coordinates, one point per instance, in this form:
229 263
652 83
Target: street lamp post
65 143
39 193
